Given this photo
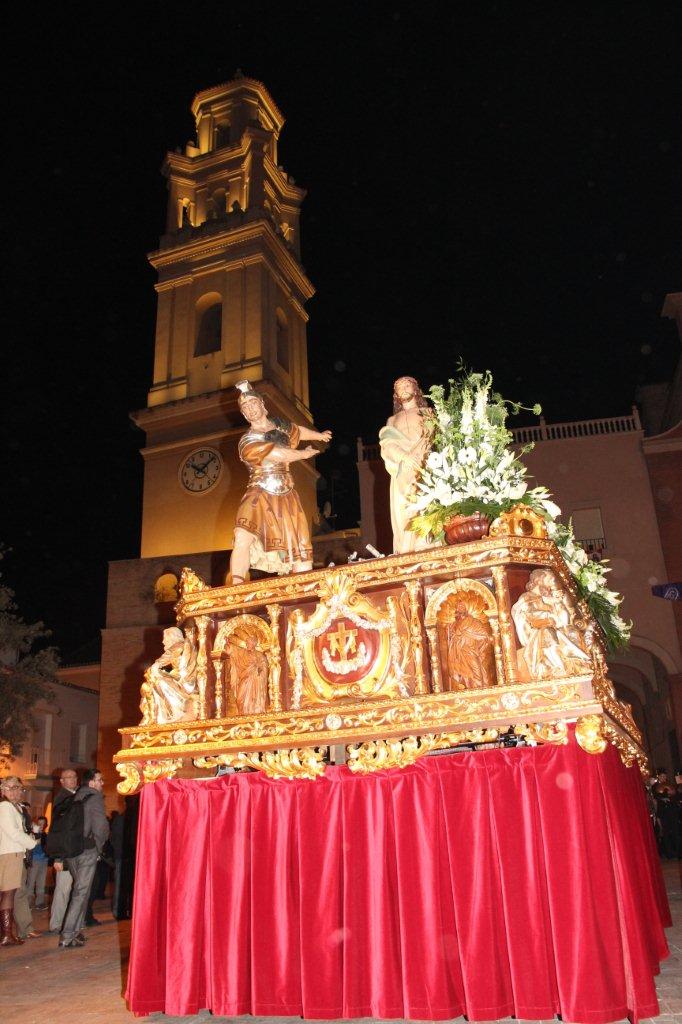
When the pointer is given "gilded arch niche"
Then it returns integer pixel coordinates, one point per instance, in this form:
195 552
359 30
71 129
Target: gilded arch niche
245 657
461 622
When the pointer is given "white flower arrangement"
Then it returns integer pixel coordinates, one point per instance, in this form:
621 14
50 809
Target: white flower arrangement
472 468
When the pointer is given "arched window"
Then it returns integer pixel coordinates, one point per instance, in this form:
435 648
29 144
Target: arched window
209 320
283 341
222 136
166 588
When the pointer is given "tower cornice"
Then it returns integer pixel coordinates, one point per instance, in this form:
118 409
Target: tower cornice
216 92
211 244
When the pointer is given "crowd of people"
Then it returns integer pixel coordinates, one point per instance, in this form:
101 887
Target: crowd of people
86 849
665 809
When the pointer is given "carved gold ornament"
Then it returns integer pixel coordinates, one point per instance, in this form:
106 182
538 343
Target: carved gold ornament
520 521
589 732
130 778
303 763
375 755
343 649
544 732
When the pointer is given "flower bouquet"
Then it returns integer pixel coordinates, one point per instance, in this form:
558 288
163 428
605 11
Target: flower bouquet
473 471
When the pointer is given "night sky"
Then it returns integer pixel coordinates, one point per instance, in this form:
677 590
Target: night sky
498 187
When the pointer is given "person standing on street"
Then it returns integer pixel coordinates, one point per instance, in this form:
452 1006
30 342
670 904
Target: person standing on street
38 870
14 842
23 917
82 865
62 877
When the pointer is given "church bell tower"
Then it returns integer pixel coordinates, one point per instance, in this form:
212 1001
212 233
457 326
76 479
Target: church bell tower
231 296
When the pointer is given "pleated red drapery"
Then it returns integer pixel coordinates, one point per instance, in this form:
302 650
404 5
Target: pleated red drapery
520 881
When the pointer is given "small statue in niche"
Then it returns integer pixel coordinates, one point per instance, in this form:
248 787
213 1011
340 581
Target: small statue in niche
467 645
248 675
551 646
170 683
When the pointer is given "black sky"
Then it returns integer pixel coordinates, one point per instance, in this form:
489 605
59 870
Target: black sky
484 184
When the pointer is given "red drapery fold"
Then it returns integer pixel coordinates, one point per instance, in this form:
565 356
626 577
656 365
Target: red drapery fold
522 881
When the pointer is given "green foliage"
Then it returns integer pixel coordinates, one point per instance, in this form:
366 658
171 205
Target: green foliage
27 671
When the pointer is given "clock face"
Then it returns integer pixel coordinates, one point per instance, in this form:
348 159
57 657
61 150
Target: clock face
201 470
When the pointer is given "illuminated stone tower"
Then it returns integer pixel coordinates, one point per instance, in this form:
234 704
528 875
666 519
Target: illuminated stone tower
231 295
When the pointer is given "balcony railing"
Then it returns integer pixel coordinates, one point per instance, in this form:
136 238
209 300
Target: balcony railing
579 428
606 426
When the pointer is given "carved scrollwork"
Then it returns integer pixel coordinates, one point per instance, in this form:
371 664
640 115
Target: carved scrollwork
544 732
152 771
300 763
190 583
376 755
131 780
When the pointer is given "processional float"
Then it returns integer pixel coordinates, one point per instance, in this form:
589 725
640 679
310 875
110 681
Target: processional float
391 658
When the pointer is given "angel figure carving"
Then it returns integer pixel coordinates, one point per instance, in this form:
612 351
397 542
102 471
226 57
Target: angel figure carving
551 645
170 683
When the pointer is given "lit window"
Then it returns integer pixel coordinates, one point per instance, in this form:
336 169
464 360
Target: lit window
222 136
589 530
78 742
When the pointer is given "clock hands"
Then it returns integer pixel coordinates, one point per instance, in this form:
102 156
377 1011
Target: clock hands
201 470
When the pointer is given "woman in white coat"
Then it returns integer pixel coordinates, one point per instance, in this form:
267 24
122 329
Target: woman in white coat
14 842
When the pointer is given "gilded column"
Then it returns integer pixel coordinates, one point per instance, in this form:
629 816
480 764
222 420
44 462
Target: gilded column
436 682
413 588
499 660
218 673
275 659
202 664
505 626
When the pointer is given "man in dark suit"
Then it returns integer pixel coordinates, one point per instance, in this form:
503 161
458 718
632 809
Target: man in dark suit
62 878
82 867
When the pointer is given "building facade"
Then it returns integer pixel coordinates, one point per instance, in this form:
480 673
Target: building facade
64 735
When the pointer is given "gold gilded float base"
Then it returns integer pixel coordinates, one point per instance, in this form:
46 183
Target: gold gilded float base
393 658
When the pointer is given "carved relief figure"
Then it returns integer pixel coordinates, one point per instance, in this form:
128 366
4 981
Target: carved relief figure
467 642
271 532
551 646
248 675
170 683
404 444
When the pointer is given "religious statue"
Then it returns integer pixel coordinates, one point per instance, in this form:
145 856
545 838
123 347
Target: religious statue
551 646
468 643
170 683
248 675
271 532
404 445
